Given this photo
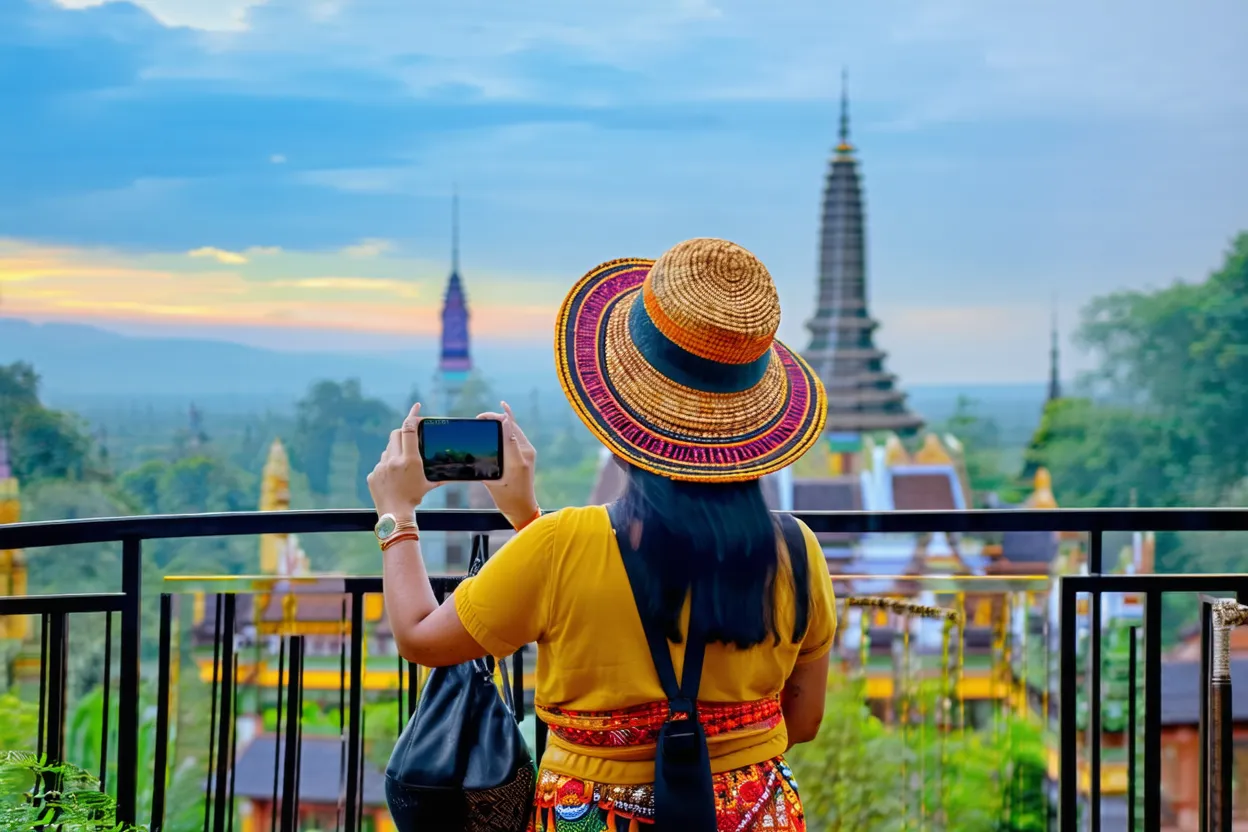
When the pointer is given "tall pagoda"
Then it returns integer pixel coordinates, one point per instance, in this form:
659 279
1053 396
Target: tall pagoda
454 357
863 397
450 551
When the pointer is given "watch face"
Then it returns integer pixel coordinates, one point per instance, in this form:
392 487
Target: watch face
386 526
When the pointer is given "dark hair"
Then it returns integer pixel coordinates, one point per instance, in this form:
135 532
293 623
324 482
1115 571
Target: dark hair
720 536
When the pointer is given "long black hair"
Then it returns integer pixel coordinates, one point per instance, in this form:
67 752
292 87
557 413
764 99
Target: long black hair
719 536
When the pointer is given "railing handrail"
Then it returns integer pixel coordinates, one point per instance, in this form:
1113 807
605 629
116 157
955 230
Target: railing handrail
312 521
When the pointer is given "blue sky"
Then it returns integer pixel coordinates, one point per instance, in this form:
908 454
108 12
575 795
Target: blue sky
305 153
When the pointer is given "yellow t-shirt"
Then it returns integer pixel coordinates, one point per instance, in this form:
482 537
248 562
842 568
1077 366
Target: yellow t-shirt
562 584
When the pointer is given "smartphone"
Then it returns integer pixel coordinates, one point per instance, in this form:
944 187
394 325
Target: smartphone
461 449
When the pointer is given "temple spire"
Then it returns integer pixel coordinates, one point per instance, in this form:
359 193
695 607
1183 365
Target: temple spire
1055 368
843 146
455 231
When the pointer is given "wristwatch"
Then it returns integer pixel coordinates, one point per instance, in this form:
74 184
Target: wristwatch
388 526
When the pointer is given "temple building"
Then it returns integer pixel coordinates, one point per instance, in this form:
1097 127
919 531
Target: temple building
12 561
863 396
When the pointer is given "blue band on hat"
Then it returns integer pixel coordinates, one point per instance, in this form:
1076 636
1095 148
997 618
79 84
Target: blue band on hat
685 368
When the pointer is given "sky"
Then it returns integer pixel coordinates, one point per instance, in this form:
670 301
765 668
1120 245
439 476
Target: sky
280 173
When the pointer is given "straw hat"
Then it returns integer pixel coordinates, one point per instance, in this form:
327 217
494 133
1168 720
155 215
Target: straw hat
673 364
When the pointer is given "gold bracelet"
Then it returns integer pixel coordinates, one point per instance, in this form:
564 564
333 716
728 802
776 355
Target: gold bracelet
536 515
411 534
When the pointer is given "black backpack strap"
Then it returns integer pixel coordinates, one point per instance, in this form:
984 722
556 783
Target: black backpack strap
682 697
799 561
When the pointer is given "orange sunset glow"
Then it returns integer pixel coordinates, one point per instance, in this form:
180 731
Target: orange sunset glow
361 288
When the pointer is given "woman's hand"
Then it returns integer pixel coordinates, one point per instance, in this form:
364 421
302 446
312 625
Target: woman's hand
398 482
514 494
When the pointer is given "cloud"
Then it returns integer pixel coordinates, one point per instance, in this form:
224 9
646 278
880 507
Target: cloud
208 15
397 288
229 258
277 159
369 248
284 289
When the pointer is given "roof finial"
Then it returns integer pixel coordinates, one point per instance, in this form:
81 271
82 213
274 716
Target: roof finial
455 230
1055 370
844 146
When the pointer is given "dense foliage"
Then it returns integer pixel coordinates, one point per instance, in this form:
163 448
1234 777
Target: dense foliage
863 774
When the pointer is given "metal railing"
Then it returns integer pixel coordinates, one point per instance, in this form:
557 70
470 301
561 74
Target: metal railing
131 532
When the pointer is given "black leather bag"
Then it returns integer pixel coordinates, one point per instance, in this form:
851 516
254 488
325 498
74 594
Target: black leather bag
461 762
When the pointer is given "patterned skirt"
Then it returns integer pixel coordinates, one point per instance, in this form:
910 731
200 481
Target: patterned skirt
759 797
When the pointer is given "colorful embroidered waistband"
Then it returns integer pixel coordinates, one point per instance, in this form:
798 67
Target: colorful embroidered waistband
757 798
640 725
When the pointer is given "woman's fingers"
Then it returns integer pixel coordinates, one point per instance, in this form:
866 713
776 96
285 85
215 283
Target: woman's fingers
407 433
511 423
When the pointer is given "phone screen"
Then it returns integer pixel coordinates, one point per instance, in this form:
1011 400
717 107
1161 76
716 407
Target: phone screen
461 449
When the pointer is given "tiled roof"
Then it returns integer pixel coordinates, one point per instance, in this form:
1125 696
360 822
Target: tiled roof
828 494
914 491
1180 691
1029 547
321 770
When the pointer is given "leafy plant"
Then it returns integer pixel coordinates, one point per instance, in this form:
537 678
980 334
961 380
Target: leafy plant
34 794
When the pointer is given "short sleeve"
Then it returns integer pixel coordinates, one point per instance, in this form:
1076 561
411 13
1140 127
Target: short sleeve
821 629
507 604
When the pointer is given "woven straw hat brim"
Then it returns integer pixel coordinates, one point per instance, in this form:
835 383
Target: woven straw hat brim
661 425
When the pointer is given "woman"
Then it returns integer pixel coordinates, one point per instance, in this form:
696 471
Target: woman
674 366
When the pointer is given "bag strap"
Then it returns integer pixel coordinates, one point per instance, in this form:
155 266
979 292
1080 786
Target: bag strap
480 554
682 697
799 561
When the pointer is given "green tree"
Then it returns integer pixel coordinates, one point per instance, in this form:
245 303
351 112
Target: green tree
1177 355
44 443
980 438
332 411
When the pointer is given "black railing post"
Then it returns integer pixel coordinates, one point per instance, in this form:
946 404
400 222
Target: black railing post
128 680
1132 692
1227 614
58 638
1068 773
1094 711
106 689
1206 673
294 736
1152 709
354 729
222 811
160 764
277 726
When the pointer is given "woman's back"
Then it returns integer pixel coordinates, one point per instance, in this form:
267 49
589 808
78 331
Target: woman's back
562 584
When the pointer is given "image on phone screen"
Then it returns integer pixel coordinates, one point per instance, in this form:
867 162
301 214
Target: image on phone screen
461 449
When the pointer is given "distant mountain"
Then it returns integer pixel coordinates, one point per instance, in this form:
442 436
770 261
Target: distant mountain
84 367
85 364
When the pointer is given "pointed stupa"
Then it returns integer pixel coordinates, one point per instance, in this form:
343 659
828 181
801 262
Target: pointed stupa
1042 493
12 561
895 453
274 496
10 498
862 394
932 452
455 358
1055 367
